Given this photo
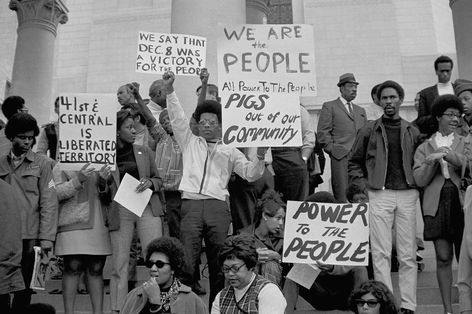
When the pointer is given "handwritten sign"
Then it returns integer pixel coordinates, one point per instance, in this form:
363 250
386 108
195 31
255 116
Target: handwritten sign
182 54
336 234
87 130
251 120
267 59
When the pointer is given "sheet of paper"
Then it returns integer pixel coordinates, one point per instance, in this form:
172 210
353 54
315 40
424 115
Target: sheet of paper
127 196
304 274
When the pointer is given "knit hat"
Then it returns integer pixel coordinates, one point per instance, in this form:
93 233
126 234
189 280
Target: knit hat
462 85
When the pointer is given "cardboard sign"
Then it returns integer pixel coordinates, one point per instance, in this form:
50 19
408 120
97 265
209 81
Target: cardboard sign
252 120
267 59
87 130
182 54
335 234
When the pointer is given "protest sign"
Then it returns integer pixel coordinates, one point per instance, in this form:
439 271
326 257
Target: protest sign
336 234
181 54
267 59
87 130
251 120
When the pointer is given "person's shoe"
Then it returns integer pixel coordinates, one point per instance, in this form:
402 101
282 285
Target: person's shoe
406 311
198 289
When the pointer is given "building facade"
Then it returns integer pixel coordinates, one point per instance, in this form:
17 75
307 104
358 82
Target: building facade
377 40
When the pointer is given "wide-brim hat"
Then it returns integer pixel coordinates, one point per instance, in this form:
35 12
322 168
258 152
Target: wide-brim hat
347 78
462 85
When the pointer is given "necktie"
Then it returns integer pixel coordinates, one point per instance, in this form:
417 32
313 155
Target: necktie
350 108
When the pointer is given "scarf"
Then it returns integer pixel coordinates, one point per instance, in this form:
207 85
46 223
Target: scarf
168 296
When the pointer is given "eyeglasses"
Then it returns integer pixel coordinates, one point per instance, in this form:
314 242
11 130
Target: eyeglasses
159 264
234 269
370 303
451 115
209 122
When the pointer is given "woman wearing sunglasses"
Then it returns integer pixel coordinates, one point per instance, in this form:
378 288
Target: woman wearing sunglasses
373 297
163 292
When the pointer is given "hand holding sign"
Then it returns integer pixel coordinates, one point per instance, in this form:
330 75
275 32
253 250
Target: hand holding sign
324 267
134 89
261 151
85 172
104 176
204 75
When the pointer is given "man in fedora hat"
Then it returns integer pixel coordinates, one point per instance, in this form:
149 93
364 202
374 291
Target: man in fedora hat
338 124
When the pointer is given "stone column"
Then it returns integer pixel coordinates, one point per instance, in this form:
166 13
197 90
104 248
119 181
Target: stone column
298 17
257 11
34 54
298 11
462 18
201 18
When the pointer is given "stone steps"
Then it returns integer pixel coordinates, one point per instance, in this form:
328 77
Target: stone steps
428 295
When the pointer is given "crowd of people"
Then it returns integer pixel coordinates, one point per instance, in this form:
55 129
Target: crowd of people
231 203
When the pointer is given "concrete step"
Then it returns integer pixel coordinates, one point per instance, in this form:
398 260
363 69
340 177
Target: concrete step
422 309
427 292
428 295
82 302
83 305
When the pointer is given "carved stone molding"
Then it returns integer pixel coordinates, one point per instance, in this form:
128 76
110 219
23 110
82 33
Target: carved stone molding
261 5
40 13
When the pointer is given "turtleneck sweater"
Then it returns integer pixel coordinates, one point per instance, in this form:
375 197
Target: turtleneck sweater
395 179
